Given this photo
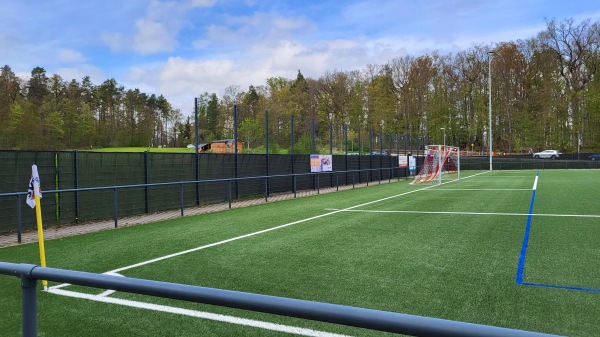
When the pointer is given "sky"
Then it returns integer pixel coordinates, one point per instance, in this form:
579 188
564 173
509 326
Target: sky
183 48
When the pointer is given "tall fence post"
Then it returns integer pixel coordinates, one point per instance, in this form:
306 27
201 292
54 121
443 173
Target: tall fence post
292 158
146 181
370 172
346 157
76 184
29 298
331 147
267 151
196 152
235 139
359 158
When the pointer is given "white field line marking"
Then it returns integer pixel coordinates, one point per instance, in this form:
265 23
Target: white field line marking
222 318
115 271
482 189
535 183
473 213
106 293
273 228
198 314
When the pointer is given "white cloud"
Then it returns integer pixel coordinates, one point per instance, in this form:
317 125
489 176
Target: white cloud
79 72
153 37
157 31
115 41
70 56
258 28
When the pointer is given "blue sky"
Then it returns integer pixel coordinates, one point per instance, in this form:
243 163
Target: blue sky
183 48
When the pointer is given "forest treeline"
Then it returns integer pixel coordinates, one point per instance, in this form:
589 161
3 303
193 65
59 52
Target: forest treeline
545 93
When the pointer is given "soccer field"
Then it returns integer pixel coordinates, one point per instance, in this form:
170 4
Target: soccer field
515 249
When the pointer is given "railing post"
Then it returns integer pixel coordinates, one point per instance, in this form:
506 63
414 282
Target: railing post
181 197
229 189
267 149
76 170
266 188
19 225
29 297
116 207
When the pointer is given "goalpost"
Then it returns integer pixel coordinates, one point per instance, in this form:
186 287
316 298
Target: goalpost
442 163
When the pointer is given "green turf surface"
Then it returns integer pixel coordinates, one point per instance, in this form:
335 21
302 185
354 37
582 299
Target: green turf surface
448 251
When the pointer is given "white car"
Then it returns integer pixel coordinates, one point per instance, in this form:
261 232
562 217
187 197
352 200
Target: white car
547 154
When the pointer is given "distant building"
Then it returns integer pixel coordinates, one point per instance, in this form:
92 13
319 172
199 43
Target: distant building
223 146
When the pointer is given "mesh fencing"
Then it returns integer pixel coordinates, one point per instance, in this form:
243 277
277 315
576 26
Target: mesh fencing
84 187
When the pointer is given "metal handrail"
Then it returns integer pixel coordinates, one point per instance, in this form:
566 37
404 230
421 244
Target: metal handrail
318 311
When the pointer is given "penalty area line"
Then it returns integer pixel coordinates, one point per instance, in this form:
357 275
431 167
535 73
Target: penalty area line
198 314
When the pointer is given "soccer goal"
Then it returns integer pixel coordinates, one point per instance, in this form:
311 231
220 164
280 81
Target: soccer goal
442 163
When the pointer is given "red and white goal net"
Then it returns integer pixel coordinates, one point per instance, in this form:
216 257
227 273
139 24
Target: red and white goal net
441 163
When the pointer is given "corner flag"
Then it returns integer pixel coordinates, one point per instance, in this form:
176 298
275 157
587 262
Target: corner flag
34 195
34 187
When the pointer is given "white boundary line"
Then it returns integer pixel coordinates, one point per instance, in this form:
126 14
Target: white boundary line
198 314
482 189
104 297
475 213
274 228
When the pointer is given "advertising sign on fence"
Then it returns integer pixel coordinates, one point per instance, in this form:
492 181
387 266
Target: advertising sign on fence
412 165
402 161
320 163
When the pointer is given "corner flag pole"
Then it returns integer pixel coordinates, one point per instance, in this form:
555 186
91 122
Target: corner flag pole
36 192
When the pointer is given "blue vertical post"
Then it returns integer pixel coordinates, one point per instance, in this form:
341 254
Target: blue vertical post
76 185
29 298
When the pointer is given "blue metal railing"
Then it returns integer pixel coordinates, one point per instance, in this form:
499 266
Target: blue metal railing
325 312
